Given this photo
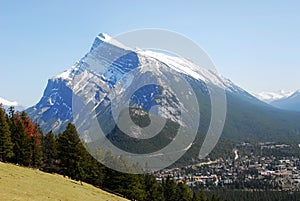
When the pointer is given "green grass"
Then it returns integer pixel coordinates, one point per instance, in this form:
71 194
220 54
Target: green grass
25 184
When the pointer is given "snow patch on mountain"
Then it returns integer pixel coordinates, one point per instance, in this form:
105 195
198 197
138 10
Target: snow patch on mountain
185 66
8 103
103 70
291 102
272 96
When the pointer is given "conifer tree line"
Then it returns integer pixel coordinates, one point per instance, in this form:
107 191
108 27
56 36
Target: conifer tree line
22 142
20 139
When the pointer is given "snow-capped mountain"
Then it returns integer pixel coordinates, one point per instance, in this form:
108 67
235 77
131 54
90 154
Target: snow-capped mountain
104 67
292 102
107 72
287 100
6 104
268 97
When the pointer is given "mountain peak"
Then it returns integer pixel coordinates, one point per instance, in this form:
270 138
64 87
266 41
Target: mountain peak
97 85
292 102
272 96
103 37
295 94
8 103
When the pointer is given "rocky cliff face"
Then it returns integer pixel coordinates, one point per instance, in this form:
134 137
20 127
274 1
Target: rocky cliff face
103 74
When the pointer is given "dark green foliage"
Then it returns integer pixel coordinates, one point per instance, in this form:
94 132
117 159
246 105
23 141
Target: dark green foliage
215 198
93 170
169 187
21 143
154 191
129 185
195 197
239 195
183 192
25 140
202 196
66 154
71 153
36 152
49 144
6 146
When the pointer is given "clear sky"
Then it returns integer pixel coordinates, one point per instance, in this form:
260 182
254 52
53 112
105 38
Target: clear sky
254 43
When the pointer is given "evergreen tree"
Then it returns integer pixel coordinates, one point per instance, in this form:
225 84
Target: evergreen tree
195 197
129 185
183 192
6 145
21 149
71 153
169 187
93 170
215 198
27 147
153 189
49 144
202 196
36 152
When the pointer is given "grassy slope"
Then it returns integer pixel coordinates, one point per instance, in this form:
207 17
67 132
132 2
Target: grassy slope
18 183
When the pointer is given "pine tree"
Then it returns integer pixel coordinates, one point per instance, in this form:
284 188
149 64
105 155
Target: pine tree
195 197
169 187
36 152
129 185
49 144
153 189
6 144
94 170
215 198
71 153
21 149
183 192
202 196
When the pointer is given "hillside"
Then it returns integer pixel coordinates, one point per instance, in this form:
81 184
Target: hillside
19 183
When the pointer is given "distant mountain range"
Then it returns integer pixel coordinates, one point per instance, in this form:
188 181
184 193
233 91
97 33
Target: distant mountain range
286 100
6 104
269 97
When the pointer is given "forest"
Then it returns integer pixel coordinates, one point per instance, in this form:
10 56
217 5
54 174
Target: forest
22 142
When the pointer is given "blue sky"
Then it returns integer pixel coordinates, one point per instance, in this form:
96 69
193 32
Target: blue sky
254 43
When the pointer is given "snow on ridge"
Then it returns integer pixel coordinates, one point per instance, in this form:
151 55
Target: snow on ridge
8 103
294 94
187 67
104 37
67 74
272 96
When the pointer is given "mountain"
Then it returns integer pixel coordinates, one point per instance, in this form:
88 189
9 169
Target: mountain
291 102
6 104
54 110
286 100
248 118
269 97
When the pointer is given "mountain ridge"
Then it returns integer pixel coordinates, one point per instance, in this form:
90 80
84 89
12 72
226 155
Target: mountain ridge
251 121
286 100
6 104
291 102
